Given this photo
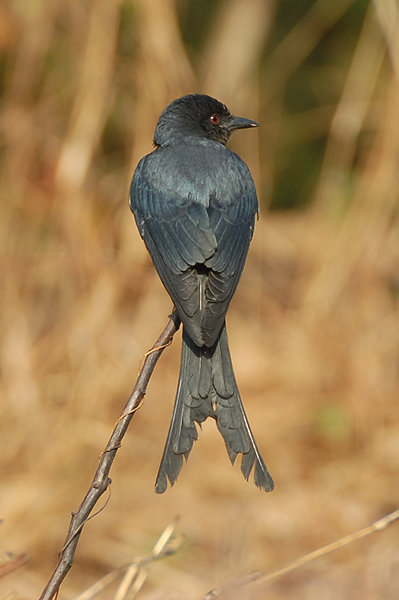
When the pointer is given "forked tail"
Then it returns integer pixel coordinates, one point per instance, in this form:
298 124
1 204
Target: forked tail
207 388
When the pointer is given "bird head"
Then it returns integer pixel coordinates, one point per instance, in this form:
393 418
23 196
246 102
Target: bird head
197 115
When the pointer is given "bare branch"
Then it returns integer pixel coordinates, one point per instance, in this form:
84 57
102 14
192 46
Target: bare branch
101 480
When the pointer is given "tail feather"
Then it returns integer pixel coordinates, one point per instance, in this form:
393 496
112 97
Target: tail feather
207 388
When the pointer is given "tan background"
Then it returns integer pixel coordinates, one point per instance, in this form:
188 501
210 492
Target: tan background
314 326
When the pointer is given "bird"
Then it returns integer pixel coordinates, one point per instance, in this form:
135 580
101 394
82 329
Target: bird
195 204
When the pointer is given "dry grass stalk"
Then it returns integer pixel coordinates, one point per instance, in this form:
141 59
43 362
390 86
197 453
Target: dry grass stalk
348 120
13 563
135 573
261 578
388 15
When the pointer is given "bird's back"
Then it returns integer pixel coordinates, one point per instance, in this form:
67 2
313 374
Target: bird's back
195 205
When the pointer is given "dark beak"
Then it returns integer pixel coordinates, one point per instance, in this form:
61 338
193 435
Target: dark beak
241 123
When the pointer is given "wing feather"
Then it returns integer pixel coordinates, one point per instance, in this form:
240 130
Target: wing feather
198 241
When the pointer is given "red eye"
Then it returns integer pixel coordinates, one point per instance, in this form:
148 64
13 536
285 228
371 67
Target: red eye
215 119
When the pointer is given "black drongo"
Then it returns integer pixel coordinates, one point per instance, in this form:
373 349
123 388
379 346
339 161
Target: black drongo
195 204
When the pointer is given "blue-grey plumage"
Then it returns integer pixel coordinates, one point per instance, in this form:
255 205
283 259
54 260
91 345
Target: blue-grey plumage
195 205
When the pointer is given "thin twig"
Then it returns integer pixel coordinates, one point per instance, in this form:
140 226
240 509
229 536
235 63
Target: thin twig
259 577
101 480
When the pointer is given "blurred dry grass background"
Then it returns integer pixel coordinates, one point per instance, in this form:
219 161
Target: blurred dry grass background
314 326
